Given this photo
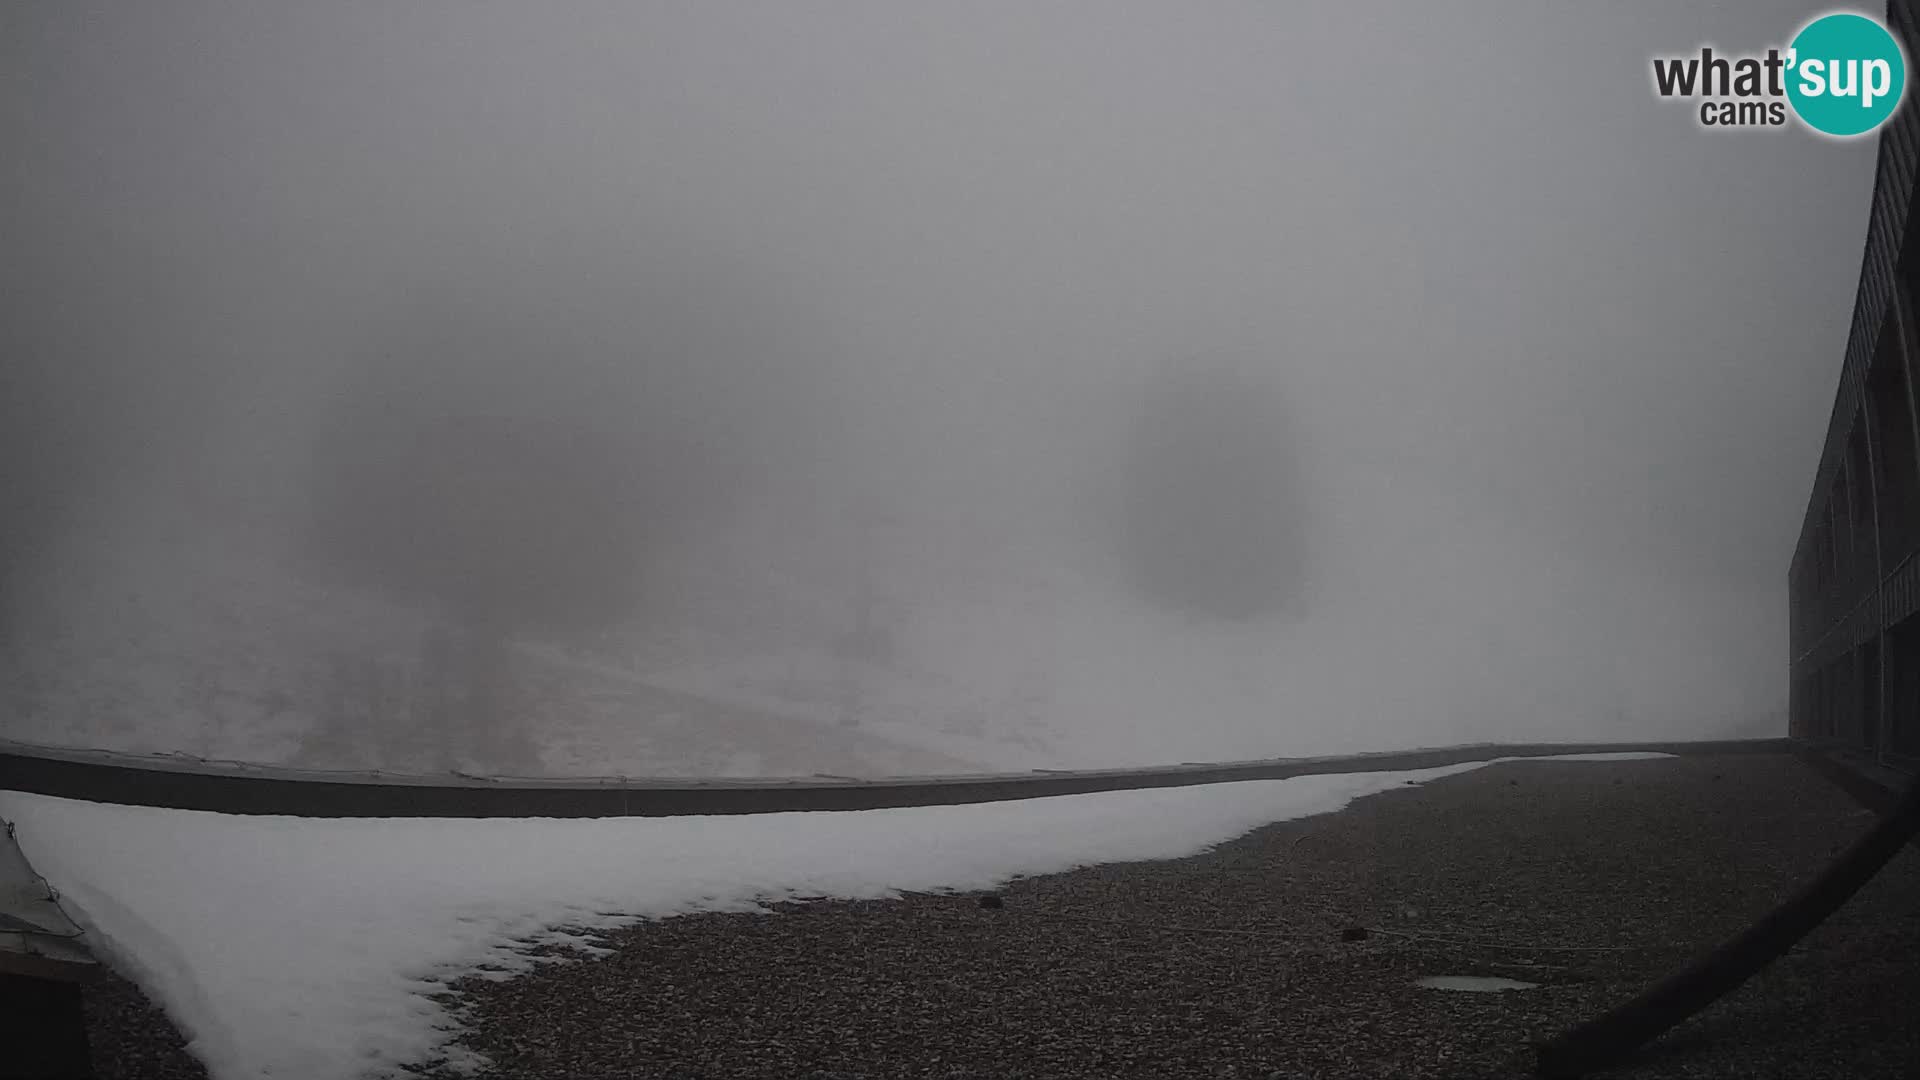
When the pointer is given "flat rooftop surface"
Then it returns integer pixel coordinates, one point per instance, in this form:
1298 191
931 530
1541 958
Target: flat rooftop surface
1588 879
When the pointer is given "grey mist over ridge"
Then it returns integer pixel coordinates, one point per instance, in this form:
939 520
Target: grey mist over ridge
899 390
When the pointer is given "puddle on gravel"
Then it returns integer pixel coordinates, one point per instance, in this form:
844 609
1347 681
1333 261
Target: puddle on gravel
1480 984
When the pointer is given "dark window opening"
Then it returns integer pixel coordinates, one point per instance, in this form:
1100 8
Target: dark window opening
1860 522
1896 458
1903 690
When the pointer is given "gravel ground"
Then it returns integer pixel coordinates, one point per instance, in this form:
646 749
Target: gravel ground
128 1038
1596 878
1593 879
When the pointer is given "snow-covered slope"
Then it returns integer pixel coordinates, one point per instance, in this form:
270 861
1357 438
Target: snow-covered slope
208 643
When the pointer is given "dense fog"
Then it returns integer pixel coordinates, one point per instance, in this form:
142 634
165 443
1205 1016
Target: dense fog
873 388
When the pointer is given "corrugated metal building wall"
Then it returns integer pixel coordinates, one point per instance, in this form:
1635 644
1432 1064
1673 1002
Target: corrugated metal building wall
1854 585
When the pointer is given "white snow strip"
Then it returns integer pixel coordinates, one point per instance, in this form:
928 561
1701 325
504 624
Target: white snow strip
1473 984
300 948
1635 756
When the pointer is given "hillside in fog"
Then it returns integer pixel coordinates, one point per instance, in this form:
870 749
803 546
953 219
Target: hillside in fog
881 389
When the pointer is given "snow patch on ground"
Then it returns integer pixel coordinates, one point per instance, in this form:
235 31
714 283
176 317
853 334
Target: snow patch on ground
304 948
1473 984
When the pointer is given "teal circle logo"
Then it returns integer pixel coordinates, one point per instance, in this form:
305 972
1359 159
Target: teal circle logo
1847 74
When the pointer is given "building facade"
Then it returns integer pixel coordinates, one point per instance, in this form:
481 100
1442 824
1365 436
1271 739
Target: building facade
1854 583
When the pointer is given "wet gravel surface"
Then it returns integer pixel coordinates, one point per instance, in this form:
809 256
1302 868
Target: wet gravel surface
1590 879
128 1038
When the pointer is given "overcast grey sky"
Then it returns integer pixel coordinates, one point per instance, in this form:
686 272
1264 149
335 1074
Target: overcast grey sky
1552 363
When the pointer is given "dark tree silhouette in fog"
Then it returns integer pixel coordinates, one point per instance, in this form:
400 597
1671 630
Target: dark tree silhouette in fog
1211 512
514 473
